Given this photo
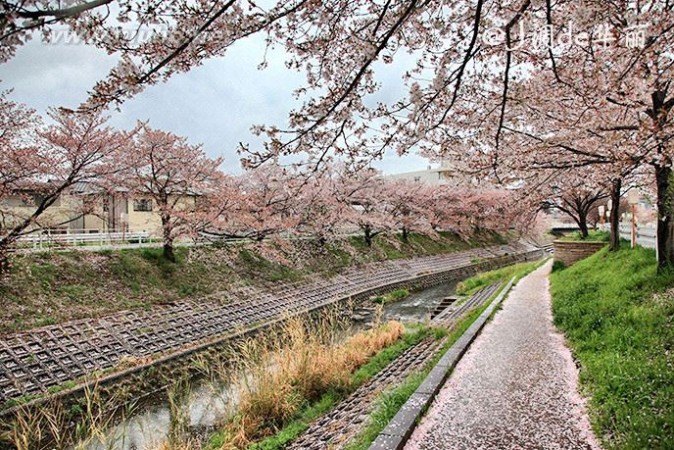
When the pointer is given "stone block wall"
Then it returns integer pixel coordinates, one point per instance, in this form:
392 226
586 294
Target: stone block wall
570 252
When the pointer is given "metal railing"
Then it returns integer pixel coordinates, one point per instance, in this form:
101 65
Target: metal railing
49 238
646 234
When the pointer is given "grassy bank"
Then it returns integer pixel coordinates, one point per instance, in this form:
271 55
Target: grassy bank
331 398
593 235
47 288
618 316
473 284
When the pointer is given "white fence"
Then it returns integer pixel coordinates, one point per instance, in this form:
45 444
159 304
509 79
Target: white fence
47 239
646 234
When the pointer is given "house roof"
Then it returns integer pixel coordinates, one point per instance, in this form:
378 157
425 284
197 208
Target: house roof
88 187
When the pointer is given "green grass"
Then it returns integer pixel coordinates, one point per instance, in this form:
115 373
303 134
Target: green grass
48 288
394 247
620 324
290 432
298 426
386 356
484 279
593 235
388 405
263 269
393 296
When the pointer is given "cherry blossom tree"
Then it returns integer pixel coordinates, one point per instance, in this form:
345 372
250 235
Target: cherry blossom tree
263 202
179 178
601 99
366 197
321 213
218 209
465 211
574 196
409 202
466 62
42 163
19 150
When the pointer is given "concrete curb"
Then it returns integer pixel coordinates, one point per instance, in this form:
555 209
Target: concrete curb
400 428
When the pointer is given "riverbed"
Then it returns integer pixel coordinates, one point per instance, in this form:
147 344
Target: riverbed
209 403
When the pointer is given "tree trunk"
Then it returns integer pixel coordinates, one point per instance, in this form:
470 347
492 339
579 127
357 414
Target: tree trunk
168 252
168 239
582 224
665 245
367 231
665 239
5 264
405 234
614 217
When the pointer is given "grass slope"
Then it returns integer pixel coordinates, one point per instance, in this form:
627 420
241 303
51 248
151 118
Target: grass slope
47 288
619 320
484 279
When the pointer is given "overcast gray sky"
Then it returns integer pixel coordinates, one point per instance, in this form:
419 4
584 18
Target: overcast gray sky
214 104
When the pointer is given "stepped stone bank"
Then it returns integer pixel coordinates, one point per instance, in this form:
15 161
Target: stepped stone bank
41 360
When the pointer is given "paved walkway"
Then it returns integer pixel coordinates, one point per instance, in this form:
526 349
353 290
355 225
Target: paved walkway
516 388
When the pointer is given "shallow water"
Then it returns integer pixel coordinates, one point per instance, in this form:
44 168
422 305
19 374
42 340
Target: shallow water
147 429
207 405
419 305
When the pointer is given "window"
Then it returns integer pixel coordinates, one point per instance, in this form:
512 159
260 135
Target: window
142 204
29 200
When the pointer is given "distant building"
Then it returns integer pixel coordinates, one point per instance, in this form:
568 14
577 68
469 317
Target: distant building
87 209
21 205
445 173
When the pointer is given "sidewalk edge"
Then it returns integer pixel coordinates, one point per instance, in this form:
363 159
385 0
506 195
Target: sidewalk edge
395 435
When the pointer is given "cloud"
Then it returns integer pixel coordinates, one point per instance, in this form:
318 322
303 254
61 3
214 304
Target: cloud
214 104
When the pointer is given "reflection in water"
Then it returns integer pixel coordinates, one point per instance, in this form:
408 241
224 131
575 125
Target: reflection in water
209 404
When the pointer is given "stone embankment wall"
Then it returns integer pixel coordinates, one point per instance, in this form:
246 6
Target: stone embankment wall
570 252
165 338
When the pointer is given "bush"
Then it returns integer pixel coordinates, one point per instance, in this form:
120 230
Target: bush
558 265
393 296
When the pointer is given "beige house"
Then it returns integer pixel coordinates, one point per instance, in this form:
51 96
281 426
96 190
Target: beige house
86 211
121 212
57 218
